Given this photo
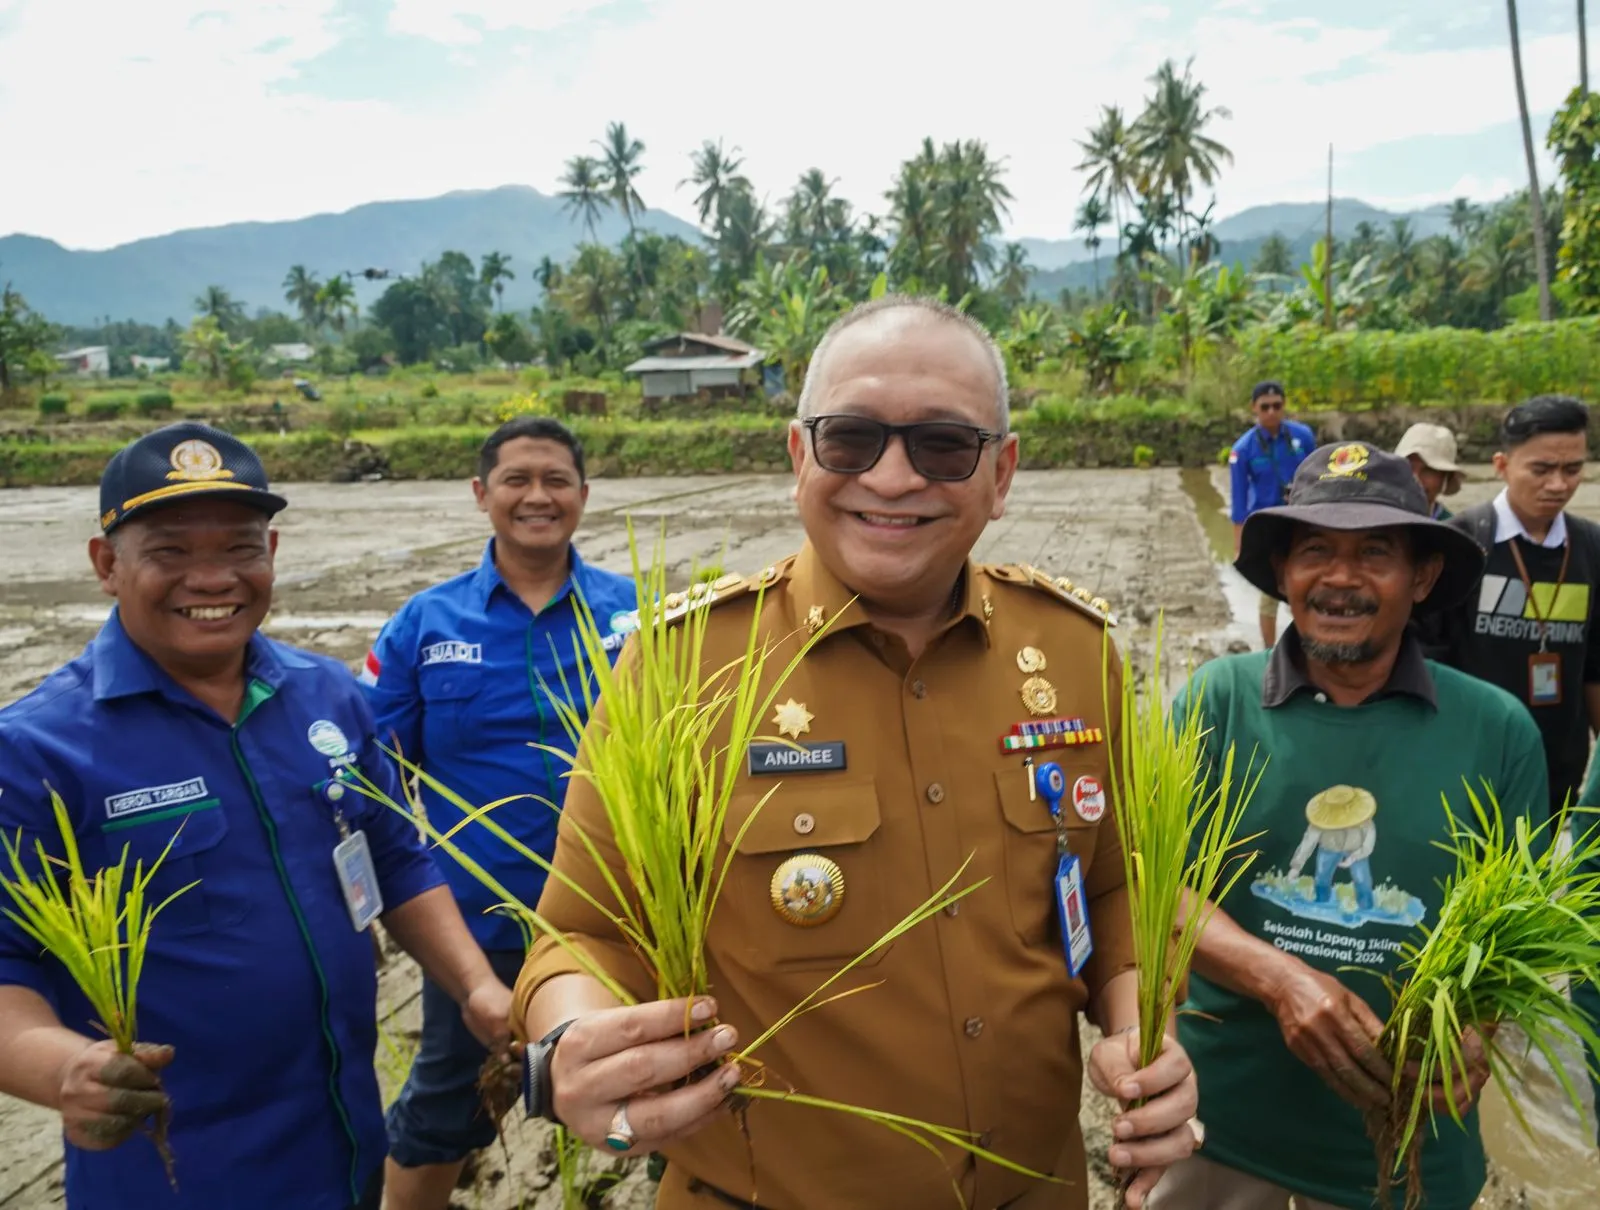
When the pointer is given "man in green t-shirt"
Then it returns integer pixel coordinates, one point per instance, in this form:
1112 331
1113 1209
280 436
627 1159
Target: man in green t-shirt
1361 735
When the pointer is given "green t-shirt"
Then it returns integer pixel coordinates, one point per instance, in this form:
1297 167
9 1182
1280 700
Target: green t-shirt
1342 895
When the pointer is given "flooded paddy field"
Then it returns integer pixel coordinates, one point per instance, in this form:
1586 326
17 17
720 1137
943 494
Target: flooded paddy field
350 554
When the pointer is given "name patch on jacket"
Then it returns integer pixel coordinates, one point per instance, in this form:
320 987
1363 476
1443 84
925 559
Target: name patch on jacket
452 652
153 798
801 758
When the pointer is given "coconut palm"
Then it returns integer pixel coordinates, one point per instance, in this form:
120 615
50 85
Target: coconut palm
219 305
300 291
494 271
1170 139
715 173
1109 160
1093 214
1275 256
584 191
911 210
1364 241
1465 218
744 230
1013 275
547 274
1535 199
1401 259
336 300
969 200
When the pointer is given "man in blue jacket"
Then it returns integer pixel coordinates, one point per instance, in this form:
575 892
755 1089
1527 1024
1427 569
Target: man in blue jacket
1261 465
460 679
181 724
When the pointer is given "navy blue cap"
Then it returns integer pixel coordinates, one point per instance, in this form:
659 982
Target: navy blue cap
182 462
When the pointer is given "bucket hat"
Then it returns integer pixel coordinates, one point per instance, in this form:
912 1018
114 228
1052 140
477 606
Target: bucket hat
1436 446
1352 485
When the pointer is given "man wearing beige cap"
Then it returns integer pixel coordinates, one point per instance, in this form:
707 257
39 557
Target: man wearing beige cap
1431 450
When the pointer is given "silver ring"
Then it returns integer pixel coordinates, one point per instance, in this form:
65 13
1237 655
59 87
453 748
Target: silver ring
621 1137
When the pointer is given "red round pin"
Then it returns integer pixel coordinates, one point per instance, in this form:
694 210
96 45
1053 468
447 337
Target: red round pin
1088 799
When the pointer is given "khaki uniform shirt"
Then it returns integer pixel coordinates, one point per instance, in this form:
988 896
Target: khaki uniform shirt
974 1024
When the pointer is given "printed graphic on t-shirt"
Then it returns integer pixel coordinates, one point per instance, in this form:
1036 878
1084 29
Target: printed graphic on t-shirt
1329 878
1505 611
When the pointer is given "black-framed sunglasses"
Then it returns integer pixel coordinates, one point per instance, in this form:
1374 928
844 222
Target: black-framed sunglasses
944 450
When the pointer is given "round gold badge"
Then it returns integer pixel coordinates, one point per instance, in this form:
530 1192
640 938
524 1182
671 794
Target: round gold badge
808 889
1031 659
1038 696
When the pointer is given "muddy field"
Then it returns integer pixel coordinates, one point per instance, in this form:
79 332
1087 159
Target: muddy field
350 554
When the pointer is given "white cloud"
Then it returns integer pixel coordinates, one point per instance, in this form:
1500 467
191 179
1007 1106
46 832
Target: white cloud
160 118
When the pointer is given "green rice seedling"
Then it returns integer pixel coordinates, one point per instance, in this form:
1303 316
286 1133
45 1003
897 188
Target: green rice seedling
98 929
1178 816
582 1187
1517 922
651 752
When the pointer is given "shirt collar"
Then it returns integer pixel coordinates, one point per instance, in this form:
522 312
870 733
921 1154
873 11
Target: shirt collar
1507 525
487 578
811 584
124 669
1286 675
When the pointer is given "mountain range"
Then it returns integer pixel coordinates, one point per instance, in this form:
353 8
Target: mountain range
154 279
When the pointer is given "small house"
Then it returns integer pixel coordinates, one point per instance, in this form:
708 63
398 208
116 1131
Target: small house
91 362
150 365
296 352
691 362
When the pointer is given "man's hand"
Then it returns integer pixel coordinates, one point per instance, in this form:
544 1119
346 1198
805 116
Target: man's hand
105 1094
638 1056
487 1013
1467 1081
1157 1134
1332 1031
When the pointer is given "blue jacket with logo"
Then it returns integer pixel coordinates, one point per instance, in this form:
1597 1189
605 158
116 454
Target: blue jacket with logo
256 976
1262 467
460 677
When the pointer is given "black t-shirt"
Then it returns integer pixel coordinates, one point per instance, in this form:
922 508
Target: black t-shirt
1501 629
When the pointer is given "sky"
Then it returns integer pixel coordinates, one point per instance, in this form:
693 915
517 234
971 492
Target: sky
129 119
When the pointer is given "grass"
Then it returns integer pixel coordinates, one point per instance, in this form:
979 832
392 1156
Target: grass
98 929
1517 923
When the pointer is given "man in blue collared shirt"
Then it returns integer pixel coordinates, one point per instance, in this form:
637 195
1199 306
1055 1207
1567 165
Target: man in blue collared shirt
460 680
180 723
1261 466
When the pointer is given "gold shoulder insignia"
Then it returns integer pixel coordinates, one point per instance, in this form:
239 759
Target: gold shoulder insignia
722 590
1060 587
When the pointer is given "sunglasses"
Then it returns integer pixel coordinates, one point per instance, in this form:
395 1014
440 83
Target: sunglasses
1270 405
937 449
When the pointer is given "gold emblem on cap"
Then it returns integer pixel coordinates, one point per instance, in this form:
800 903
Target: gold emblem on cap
1031 659
1038 696
815 619
988 609
1347 460
808 889
196 461
793 718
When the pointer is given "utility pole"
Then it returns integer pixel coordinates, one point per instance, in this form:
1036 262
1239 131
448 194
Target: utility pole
1327 281
1583 48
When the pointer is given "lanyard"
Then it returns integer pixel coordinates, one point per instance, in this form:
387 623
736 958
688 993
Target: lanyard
1527 584
1269 447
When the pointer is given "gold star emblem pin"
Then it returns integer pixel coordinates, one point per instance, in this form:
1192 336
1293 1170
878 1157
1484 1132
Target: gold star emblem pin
815 619
793 718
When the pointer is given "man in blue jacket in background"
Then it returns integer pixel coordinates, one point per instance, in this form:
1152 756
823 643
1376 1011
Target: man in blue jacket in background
181 724
1261 465
460 679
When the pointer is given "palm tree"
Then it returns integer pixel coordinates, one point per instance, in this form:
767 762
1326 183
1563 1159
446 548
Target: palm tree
548 274
584 195
1112 167
300 291
715 173
744 230
1464 218
1497 262
1535 200
1400 260
911 210
1364 242
1013 275
335 300
1169 138
619 167
1275 256
1583 48
1093 214
969 199
494 272
220 306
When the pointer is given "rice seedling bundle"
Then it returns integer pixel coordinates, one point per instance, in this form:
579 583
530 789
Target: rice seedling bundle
1518 921
97 928
1178 816
651 751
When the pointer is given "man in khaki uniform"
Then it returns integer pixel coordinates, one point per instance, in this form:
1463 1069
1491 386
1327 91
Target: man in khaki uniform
925 710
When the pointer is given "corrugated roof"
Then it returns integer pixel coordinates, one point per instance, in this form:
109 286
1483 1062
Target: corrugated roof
715 342
658 365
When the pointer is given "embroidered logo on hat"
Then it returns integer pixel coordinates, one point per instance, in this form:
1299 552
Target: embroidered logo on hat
197 461
1347 462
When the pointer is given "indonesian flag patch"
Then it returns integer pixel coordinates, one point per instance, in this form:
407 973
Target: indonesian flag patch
370 669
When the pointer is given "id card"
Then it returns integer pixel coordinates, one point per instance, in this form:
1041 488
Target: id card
1544 679
352 860
1072 905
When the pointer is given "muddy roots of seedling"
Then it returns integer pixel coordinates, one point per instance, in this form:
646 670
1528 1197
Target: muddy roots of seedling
1386 1127
499 1089
160 1123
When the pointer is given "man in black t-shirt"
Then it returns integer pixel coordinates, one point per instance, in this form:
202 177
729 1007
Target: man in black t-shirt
1529 627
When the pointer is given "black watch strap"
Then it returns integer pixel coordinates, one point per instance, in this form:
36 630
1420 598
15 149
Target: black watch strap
538 1095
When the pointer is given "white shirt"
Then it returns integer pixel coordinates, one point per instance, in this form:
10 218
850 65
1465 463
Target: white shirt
1507 526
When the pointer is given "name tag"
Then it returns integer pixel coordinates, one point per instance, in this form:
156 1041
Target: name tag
352 860
804 758
1072 906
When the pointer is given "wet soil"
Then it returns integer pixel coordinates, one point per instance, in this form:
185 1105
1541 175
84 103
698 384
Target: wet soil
350 554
